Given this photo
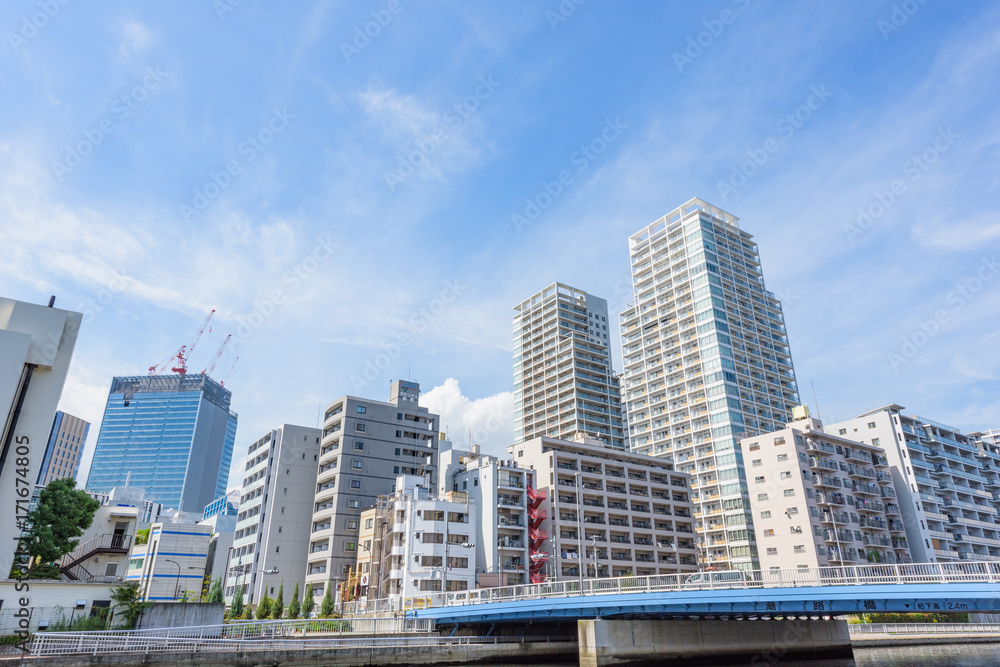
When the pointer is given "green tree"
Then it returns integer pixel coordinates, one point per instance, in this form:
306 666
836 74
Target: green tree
327 606
215 595
248 613
142 536
294 608
307 601
236 606
62 514
128 604
264 607
278 608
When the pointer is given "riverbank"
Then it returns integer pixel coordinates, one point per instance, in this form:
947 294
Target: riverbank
869 641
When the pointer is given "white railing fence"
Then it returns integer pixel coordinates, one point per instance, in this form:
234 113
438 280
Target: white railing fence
923 628
862 575
95 643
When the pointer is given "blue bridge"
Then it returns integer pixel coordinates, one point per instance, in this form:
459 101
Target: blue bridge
828 591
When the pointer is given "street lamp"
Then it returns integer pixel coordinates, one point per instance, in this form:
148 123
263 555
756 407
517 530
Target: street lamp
178 584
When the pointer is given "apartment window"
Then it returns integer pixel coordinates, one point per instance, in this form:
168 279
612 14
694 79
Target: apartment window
792 510
399 415
399 434
754 446
353 504
355 483
871 424
350 546
769 532
369 523
795 530
789 493
799 548
362 409
395 470
758 480
766 514
772 551
875 442
782 457
762 497
358 464
359 445
757 462
842 431
359 427
779 441
352 524
786 474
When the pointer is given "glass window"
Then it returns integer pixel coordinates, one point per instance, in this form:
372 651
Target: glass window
362 409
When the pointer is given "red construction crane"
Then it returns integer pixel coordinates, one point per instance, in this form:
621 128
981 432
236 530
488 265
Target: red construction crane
211 366
180 357
230 372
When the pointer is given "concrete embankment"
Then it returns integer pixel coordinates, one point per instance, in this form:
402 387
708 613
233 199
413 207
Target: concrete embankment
872 641
506 653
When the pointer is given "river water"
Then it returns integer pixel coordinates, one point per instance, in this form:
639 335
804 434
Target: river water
939 655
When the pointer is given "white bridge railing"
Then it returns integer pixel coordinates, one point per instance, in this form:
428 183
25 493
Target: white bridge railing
923 628
863 575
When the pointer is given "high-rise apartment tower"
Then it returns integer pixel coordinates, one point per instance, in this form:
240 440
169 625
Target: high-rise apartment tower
563 381
706 363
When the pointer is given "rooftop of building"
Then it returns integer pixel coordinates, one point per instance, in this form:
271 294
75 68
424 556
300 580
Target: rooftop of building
172 383
688 207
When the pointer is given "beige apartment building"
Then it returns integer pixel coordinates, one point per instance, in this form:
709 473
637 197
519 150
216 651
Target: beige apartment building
608 512
821 500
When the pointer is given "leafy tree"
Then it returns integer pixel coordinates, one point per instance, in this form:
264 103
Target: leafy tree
327 607
264 607
215 595
307 601
62 514
128 604
294 608
142 536
278 609
248 613
236 606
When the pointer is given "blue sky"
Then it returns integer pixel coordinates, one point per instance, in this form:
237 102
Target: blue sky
361 207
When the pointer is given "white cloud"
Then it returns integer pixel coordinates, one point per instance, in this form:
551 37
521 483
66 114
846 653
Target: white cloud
489 420
135 38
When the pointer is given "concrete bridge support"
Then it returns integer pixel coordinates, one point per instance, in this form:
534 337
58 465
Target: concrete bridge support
760 642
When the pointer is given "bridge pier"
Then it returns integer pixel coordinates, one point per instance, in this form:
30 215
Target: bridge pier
759 642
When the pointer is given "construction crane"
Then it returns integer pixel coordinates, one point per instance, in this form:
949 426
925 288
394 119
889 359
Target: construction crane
181 356
211 366
230 372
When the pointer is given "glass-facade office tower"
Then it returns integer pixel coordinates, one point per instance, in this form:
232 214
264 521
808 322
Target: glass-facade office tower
62 453
563 381
706 363
170 435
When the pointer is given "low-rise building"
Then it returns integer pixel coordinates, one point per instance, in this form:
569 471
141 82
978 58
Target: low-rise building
821 500
612 512
171 563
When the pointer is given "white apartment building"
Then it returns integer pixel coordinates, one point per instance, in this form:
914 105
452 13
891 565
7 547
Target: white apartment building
706 362
365 446
428 540
171 563
509 550
36 345
613 512
275 513
563 381
949 502
821 500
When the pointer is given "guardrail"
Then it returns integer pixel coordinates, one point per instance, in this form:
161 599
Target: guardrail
861 575
93 643
922 628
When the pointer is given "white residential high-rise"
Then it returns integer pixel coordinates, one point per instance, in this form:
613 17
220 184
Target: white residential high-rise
706 362
275 512
563 381
947 494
